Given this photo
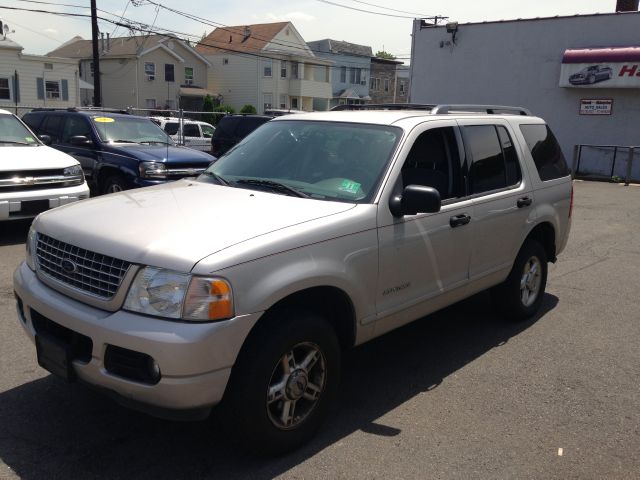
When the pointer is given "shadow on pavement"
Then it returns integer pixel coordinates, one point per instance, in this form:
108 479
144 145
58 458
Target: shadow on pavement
53 430
14 232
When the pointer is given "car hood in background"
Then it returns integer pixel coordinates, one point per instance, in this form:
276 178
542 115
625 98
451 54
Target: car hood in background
33 158
160 153
177 224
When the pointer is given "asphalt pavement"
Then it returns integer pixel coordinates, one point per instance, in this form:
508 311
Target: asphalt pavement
460 394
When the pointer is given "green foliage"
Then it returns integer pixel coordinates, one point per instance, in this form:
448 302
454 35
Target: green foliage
207 106
248 109
616 179
386 55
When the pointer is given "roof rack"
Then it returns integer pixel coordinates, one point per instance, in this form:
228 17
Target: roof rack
80 109
439 109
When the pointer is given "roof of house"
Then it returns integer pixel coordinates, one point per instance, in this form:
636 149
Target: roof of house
340 46
7 43
235 39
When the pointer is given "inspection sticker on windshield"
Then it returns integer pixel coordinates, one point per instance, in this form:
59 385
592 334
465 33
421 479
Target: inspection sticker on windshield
103 120
29 139
349 186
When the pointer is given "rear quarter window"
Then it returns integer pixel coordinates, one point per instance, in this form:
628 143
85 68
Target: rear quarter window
546 152
171 128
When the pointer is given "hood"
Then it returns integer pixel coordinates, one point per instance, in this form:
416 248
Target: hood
177 224
160 153
33 158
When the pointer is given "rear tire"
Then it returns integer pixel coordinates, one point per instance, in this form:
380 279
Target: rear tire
114 183
283 383
521 294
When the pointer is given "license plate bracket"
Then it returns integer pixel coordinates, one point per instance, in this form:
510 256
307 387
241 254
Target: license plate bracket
55 356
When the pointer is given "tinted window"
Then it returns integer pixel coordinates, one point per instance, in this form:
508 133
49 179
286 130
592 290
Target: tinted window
510 157
51 126
226 126
33 121
171 128
75 125
248 125
487 171
545 151
191 130
433 161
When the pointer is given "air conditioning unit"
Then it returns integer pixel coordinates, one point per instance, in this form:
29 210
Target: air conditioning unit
151 77
188 81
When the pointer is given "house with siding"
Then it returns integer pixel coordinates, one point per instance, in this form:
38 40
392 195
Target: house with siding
351 70
144 71
35 80
268 66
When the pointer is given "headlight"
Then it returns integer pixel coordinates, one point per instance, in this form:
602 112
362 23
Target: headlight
153 170
75 175
168 294
32 238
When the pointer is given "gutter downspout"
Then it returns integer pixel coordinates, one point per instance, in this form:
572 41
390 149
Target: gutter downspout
137 75
413 45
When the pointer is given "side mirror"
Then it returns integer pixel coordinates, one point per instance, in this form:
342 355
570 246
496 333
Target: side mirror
46 139
80 140
415 199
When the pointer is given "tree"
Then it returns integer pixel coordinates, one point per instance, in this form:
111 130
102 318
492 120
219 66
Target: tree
385 55
207 106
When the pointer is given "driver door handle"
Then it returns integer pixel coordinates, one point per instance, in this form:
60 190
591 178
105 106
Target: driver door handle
459 220
524 202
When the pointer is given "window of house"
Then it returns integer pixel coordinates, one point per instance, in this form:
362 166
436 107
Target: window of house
267 68
343 74
488 170
283 69
267 101
169 73
188 75
225 61
386 84
52 89
434 161
355 75
546 152
5 91
294 70
48 66
170 104
149 70
150 102
283 101
375 84
403 88
294 103
91 67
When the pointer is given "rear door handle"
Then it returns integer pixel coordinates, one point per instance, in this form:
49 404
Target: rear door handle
524 202
459 220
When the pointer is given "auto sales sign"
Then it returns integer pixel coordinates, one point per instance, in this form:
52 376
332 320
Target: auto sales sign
601 68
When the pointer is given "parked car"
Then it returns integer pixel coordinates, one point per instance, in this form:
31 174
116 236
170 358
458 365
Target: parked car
117 151
233 128
193 134
317 233
591 75
34 177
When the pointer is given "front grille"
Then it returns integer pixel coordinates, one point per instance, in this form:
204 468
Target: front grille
85 270
25 180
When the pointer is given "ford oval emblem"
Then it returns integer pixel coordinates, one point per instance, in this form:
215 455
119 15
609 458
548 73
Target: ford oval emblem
68 266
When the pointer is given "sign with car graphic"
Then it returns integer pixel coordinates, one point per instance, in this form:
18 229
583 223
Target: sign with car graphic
600 75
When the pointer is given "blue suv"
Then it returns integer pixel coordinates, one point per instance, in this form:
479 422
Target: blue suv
117 151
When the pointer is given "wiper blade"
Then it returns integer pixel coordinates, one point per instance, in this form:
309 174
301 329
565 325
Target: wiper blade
270 184
122 141
12 142
153 142
217 177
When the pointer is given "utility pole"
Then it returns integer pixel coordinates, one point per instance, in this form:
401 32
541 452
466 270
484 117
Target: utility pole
97 91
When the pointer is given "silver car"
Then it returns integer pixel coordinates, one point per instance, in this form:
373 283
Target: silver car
316 233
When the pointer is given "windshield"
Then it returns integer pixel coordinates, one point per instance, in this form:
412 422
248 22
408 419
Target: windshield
13 132
129 130
324 160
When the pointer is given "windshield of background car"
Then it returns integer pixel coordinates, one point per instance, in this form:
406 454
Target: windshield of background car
13 132
324 160
129 130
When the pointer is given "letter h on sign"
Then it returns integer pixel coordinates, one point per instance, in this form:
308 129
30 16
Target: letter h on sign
629 70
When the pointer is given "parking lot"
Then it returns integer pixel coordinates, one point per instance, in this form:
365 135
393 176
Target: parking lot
460 394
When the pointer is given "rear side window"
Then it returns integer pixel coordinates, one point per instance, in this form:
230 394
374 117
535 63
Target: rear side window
248 125
494 159
171 128
545 151
33 121
191 130
226 126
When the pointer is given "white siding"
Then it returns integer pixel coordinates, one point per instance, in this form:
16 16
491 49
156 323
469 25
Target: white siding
239 81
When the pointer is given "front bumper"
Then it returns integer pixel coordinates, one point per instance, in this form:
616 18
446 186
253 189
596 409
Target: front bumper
11 203
195 359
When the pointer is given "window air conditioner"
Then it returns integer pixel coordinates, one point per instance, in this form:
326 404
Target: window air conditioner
151 77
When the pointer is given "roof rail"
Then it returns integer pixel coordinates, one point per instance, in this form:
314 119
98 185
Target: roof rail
80 109
442 109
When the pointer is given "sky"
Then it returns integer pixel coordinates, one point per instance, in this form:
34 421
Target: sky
315 19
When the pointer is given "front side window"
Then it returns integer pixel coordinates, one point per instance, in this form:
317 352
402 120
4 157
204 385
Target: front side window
129 129
324 160
5 92
52 89
434 161
52 126
75 126
207 131
171 128
267 68
546 152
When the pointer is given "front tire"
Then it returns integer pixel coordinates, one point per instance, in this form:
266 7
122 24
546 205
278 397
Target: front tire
521 294
114 184
285 378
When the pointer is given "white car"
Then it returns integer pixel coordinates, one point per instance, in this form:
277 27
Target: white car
34 177
194 133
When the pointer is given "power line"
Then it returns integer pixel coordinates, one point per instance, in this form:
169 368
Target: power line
392 9
363 10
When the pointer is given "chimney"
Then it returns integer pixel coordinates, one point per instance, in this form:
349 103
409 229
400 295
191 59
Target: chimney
102 41
247 33
108 41
627 5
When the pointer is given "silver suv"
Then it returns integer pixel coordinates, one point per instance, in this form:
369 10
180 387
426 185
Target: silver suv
316 233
